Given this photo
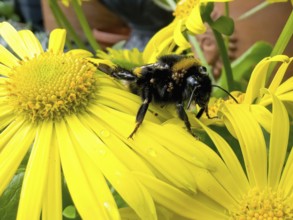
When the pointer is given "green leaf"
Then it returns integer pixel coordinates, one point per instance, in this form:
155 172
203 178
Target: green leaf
70 212
243 66
10 197
224 25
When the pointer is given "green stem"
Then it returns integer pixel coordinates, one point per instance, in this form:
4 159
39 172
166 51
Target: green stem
282 42
64 23
254 10
225 58
85 25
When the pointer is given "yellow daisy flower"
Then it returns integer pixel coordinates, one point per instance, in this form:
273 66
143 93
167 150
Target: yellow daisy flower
187 18
254 93
262 188
57 108
256 185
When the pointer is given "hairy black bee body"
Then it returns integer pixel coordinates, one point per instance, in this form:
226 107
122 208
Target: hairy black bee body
173 79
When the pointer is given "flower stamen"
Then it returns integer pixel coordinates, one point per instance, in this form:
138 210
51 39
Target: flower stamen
50 86
264 204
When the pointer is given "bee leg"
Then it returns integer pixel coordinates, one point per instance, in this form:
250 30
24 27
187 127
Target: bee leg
201 111
183 116
142 110
206 110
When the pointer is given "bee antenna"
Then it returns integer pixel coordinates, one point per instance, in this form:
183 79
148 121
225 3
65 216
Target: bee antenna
191 96
225 92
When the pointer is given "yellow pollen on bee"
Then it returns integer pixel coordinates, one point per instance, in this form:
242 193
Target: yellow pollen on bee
50 86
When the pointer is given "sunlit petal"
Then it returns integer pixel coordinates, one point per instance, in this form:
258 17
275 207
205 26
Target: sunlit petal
280 74
278 142
37 169
80 175
194 22
253 148
80 53
17 141
151 150
177 201
179 39
123 152
232 162
52 203
31 42
14 40
286 183
263 116
7 59
118 175
57 40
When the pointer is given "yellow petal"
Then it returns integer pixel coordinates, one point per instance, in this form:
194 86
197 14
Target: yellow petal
179 38
286 183
152 48
177 201
251 141
123 152
194 22
278 142
280 74
263 116
52 202
57 41
32 43
284 92
235 181
125 102
257 81
15 141
157 155
8 59
35 177
13 39
80 53
86 185
115 171
259 76
6 115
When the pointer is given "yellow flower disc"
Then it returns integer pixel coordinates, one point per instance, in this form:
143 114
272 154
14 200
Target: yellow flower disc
51 86
264 204
184 8
217 104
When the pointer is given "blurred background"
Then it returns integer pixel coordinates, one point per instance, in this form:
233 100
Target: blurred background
134 22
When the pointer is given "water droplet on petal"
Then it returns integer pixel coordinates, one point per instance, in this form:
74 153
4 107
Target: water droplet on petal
152 152
112 210
105 133
102 152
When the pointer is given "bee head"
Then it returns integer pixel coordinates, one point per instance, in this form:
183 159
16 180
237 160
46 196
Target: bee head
200 85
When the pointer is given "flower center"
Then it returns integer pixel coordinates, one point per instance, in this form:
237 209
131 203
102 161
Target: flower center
51 86
184 8
218 103
264 204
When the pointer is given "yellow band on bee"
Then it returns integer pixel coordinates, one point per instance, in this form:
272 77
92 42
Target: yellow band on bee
185 63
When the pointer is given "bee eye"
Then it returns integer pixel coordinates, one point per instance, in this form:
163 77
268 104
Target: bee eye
202 70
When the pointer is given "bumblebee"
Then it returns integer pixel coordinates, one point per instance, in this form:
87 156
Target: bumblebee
172 79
